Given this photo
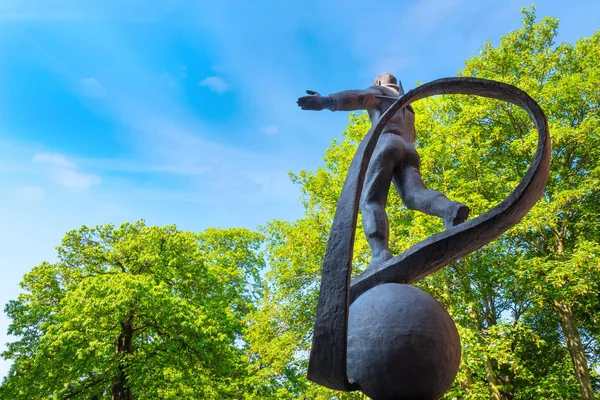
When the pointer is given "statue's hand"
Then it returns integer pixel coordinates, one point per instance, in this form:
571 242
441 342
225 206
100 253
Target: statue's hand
314 102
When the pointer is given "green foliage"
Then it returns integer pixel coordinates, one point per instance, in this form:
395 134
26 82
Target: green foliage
526 305
154 309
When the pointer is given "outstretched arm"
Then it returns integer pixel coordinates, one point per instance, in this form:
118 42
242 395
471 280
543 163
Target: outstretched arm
348 100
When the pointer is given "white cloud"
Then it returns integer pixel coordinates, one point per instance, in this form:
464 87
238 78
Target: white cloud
215 83
53 159
29 193
269 129
64 173
74 180
91 87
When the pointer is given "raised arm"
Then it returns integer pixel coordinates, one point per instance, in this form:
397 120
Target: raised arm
348 100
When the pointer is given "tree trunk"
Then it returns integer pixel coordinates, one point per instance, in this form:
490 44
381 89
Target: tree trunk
582 373
494 382
120 388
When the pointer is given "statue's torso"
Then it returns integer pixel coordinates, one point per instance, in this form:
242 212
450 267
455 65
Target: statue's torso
402 123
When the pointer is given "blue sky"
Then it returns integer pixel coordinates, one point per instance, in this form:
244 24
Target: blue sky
185 111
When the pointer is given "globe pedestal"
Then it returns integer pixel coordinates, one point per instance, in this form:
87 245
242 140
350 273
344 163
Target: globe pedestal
402 344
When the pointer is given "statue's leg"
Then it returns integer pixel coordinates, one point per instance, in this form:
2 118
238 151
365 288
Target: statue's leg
375 191
408 181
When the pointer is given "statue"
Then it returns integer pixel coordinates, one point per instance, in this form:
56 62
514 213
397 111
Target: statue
377 333
394 160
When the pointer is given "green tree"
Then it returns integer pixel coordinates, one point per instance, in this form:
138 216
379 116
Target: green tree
135 312
526 305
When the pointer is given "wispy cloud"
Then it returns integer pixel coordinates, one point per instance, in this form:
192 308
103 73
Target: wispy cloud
91 87
53 159
64 172
74 180
269 129
28 193
215 83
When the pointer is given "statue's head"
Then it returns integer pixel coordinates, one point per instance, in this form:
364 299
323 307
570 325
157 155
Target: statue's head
389 80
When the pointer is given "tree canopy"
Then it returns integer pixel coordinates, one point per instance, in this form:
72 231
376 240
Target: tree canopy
135 312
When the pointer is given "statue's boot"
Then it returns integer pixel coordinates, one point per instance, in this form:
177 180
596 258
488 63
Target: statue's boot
379 257
457 215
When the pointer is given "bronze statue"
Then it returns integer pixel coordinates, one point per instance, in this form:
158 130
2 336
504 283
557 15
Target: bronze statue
396 341
394 160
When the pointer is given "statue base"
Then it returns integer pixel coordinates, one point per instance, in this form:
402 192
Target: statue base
402 344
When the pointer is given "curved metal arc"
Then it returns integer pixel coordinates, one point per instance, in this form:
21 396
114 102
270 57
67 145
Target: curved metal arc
327 363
